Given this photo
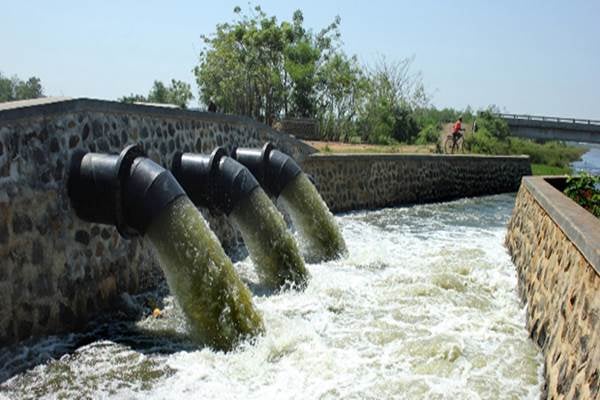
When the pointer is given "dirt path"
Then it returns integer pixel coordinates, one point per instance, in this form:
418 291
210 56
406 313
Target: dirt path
339 147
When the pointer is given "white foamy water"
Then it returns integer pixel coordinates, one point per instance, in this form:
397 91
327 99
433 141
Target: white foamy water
424 307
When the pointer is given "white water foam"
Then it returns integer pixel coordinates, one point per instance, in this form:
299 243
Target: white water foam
424 307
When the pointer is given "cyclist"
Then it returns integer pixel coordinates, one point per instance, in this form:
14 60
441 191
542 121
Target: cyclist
457 129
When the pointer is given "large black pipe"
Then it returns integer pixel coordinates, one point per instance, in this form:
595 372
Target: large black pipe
127 190
273 169
215 181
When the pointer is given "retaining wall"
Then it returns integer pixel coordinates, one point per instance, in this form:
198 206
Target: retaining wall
56 270
355 181
555 246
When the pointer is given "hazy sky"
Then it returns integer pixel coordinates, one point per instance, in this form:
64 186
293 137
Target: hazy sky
536 57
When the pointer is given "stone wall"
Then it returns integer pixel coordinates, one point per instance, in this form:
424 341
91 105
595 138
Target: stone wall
56 270
555 245
354 181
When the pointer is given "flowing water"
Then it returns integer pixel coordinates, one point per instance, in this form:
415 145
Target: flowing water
216 302
271 246
423 307
311 217
590 161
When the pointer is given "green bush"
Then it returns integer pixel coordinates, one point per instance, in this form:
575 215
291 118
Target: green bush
430 134
583 189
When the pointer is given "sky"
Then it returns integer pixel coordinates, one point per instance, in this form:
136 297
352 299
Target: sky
529 57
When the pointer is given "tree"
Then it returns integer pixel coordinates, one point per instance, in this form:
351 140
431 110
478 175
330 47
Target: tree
342 87
178 93
393 96
15 89
258 67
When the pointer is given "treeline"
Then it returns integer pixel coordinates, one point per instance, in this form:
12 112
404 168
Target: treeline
177 93
13 88
265 69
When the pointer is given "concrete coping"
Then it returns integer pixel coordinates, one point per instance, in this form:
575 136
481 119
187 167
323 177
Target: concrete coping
424 156
36 108
580 226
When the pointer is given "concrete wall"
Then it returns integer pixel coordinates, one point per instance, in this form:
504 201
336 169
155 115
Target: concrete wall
354 181
555 245
57 271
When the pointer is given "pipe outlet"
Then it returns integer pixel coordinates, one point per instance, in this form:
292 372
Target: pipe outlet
215 181
127 190
273 169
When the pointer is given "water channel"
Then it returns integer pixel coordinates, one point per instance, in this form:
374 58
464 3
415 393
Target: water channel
590 161
424 306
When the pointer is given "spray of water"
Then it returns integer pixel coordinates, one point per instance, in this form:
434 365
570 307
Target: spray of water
217 304
313 220
272 248
423 307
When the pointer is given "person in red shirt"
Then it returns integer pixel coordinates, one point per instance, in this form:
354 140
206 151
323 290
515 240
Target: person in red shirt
457 127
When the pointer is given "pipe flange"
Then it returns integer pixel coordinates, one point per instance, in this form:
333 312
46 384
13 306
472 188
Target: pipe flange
123 167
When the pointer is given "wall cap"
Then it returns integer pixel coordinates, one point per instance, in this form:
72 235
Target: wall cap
580 226
399 156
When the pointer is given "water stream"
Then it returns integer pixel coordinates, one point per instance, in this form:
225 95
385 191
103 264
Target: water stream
590 161
423 307
218 306
271 246
311 217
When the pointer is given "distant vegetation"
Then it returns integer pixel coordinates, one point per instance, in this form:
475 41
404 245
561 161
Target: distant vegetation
493 137
12 89
178 93
266 69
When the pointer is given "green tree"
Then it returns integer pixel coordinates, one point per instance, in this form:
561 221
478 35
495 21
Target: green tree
15 89
392 96
258 67
341 90
178 93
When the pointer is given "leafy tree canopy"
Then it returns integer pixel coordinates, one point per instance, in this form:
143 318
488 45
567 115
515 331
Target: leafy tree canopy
178 93
12 89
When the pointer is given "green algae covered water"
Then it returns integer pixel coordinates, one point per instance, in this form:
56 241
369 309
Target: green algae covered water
313 220
216 302
425 306
271 246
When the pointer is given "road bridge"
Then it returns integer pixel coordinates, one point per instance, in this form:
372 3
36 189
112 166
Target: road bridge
553 128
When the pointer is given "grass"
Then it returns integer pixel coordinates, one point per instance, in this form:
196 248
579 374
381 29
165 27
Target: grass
544 169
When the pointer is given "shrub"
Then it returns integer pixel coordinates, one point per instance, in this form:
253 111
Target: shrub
429 134
584 189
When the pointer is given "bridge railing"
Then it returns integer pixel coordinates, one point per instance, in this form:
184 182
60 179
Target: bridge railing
549 119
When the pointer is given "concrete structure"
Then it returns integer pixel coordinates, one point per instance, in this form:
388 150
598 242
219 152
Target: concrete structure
550 128
363 181
57 271
555 245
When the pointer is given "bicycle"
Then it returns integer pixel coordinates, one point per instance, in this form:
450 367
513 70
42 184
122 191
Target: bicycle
454 142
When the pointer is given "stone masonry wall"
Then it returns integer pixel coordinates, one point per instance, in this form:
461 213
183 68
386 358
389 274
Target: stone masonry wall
355 181
562 292
56 270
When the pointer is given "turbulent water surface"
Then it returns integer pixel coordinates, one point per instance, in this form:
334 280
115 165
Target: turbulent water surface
424 307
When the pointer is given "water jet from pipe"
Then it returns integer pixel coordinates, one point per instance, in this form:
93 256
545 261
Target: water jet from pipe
140 197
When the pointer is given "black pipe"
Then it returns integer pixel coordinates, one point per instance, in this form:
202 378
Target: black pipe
215 181
273 169
127 190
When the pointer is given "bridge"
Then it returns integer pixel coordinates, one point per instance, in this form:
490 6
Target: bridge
552 128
